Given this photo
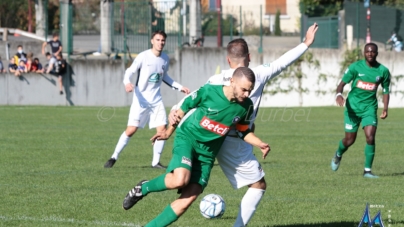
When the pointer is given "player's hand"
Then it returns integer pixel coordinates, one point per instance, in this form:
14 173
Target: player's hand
173 118
310 34
185 90
159 136
383 115
265 149
129 87
340 100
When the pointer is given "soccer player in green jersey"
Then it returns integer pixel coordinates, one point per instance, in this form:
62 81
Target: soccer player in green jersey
198 140
361 105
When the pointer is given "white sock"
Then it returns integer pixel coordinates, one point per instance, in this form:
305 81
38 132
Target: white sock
248 206
157 150
368 169
123 140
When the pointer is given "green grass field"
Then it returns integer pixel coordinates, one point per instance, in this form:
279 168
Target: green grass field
51 170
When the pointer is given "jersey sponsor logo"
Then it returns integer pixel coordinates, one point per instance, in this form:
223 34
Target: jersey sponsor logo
266 65
366 85
186 161
225 79
212 110
214 126
361 74
348 126
154 78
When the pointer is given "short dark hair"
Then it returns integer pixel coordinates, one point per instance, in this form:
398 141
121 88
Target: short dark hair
371 44
244 72
55 34
159 32
47 54
19 46
237 48
36 59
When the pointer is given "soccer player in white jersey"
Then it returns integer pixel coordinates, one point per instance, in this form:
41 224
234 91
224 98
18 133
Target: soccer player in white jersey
151 67
236 158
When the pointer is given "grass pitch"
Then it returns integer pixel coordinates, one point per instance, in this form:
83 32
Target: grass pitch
51 170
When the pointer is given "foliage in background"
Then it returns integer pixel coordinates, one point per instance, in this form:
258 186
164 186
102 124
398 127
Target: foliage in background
13 14
292 78
319 8
350 56
278 31
209 24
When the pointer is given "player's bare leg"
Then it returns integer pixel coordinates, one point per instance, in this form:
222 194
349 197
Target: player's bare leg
250 202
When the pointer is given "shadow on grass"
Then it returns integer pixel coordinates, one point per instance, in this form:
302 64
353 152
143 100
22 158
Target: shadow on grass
331 224
392 174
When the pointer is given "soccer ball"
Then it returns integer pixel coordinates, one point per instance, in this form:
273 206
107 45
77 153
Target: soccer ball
212 206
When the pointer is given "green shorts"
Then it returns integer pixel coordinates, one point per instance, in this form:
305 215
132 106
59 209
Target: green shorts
193 156
352 120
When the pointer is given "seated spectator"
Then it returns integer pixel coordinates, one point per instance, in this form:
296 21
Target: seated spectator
2 69
49 67
37 66
20 54
28 63
22 67
13 68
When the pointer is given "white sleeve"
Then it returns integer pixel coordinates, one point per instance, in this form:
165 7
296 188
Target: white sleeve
136 64
269 71
171 83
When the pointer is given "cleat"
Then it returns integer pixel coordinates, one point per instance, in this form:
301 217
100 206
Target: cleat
133 196
335 162
369 174
159 166
110 163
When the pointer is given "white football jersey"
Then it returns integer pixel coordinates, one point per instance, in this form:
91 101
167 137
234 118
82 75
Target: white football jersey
151 71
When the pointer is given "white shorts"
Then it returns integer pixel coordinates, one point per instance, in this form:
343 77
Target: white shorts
238 162
141 114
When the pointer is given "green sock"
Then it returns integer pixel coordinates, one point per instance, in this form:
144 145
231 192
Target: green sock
155 185
369 155
341 149
164 219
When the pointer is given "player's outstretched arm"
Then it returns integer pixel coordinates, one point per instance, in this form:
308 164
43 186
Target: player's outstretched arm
280 64
252 139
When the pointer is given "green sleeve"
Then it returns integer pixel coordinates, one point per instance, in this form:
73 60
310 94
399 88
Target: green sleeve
386 82
193 100
243 126
349 74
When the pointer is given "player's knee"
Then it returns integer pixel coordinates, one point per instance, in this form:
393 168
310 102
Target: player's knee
180 180
130 131
261 184
370 140
349 141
